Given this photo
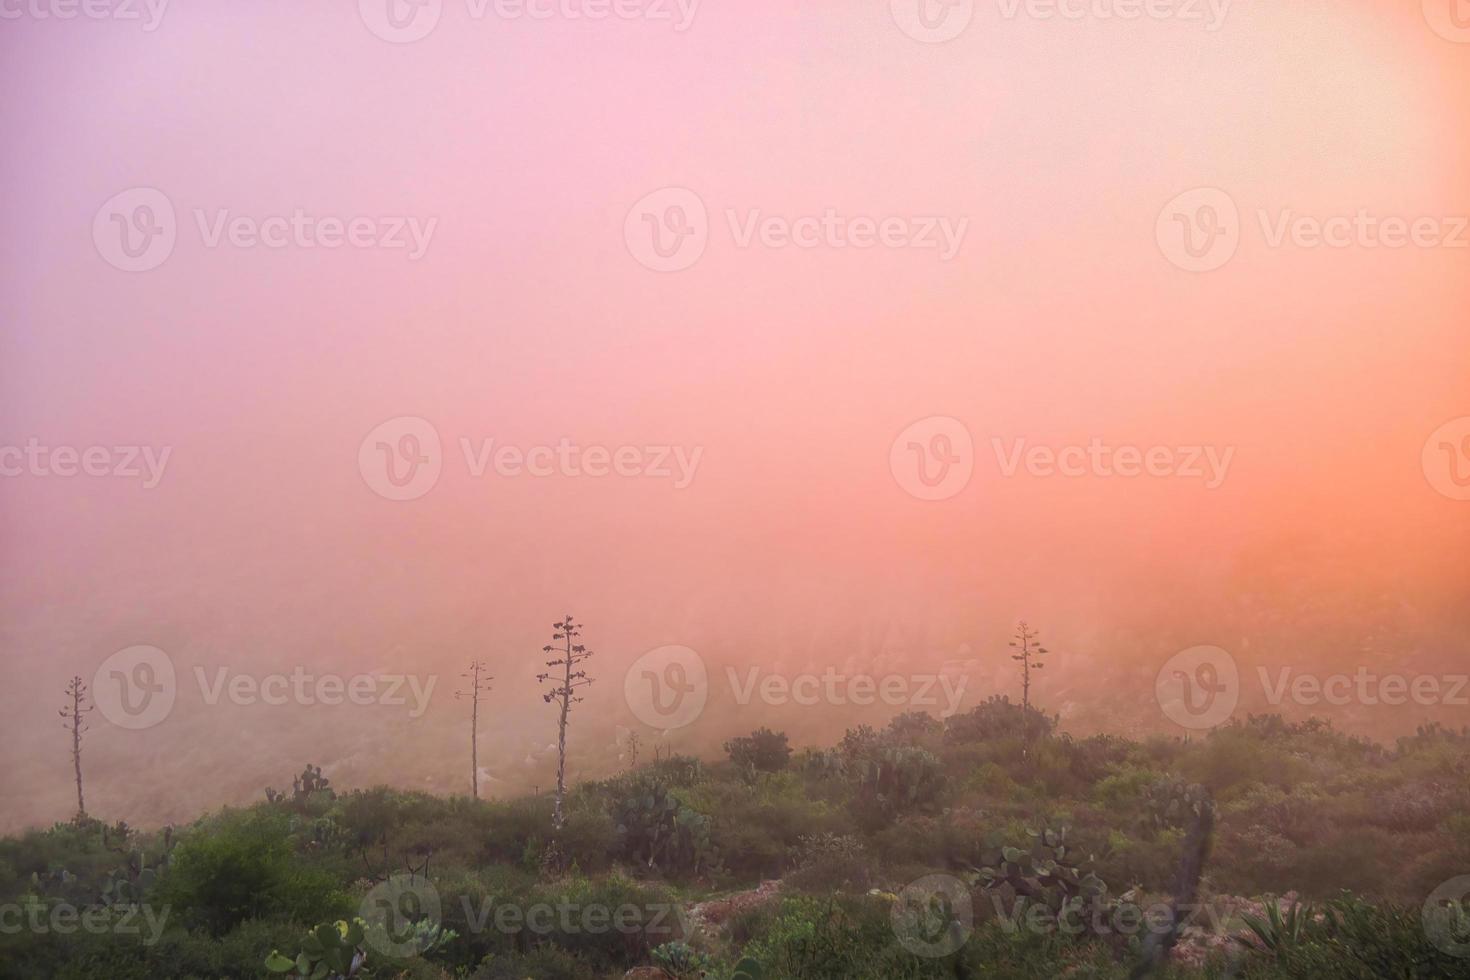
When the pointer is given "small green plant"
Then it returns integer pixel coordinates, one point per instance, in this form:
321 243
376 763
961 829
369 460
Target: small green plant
681 960
1280 932
1172 804
329 952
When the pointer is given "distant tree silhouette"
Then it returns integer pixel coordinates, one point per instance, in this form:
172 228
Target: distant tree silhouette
1031 652
479 681
74 717
567 678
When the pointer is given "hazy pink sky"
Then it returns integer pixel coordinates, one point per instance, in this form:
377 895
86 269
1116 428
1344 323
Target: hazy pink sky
529 319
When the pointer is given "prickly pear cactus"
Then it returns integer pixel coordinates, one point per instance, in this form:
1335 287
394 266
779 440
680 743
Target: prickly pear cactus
1173 804
1046 874
329 952
655 828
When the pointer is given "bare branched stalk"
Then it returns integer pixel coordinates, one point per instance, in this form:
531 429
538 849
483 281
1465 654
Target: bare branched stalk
479 682
1031 652
74 717
567 678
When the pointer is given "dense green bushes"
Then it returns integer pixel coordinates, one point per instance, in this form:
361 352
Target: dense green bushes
242 865
1300 808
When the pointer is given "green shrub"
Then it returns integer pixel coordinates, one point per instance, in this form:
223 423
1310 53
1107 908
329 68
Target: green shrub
242 866
762 750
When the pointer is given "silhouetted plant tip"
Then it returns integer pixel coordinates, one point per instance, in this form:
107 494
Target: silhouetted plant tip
1029 656
479 683
567 678
74 720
